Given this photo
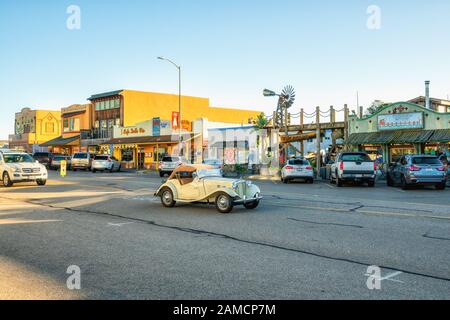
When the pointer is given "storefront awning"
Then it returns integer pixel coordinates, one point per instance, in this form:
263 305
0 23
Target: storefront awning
398 137
60 141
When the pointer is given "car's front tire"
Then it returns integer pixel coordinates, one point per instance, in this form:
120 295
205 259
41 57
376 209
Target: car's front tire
251 205
41 182
441 186
7 180
167 198
224 203
339 182
371 183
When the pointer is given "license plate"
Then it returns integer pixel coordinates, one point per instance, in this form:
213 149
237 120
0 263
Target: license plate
359 176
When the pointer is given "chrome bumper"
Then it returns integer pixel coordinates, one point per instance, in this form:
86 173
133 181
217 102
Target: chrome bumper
244 201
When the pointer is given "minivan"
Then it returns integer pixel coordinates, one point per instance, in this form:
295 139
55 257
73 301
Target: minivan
82 160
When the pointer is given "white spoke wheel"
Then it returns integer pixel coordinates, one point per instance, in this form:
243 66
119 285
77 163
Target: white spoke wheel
167 198
224 203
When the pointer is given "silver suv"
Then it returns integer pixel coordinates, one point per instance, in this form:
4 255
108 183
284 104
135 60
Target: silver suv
82 160
168 164
417 170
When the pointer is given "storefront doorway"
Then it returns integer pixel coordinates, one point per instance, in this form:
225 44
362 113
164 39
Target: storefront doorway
141 158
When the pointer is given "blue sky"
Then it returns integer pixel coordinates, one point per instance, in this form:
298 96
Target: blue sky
229 50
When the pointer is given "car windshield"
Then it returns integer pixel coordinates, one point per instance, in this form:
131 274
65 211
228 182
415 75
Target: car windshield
426 160
18 158
59 158
202 173
171 159
212 161
101 157
80 156
298 162
356 157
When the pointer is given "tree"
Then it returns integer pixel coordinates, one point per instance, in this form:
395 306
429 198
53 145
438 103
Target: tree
376 106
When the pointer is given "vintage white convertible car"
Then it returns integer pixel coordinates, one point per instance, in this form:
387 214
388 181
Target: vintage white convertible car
204 184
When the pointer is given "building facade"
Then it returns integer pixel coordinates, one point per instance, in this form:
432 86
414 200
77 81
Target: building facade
439 105
398 129
76 125
33 128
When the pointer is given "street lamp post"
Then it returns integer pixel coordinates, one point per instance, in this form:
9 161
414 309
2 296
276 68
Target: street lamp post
179 100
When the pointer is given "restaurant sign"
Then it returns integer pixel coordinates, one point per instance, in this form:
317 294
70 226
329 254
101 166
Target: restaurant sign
401 121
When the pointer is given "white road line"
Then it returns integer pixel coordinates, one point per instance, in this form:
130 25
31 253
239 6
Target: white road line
119 224
329 186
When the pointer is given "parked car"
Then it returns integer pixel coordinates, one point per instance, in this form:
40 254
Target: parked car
21 167
297 169
168 164
353 167
105 163
44 158
215 163
417 170
82 160
205 184
56 162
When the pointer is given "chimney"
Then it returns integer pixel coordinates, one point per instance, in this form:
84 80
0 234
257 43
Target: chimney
427 94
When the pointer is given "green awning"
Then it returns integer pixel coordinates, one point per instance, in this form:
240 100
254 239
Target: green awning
398 137
60 141
441 135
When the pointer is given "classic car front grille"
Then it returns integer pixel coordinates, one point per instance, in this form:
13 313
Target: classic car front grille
31 170
241 189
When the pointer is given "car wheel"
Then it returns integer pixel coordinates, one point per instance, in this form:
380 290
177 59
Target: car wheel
120 168
389 181
6 180
251 205
224 203
371 184
41 182
167 198
94 171
161 174
73 169
339 182
310 181
404 184
441 186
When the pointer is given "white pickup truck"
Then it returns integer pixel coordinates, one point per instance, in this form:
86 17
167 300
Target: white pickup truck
353 167
21 167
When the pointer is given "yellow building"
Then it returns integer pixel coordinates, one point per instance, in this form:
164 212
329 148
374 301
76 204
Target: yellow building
34 127
75 124
123 119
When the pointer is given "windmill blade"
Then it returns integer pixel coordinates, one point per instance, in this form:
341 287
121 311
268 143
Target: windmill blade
289 96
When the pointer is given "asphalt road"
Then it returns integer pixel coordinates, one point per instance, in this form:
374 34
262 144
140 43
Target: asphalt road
303 242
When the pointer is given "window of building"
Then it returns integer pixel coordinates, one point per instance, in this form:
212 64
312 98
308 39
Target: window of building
66 125
97 124
110 123
104 124
117 103
49 127
127 154
118 122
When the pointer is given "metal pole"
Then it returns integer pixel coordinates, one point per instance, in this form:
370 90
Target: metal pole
179 110
318 140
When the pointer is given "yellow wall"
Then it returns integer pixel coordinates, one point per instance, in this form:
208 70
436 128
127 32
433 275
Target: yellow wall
46 119
141 106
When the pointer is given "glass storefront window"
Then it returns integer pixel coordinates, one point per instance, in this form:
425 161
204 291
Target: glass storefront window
118 122
117 103
127 154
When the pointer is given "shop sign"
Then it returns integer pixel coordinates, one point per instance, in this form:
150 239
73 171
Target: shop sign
156 124
401 121
132 131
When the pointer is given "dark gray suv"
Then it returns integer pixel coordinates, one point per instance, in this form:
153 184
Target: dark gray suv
417 170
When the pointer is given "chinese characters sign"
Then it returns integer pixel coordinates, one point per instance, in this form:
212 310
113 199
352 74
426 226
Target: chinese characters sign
400 121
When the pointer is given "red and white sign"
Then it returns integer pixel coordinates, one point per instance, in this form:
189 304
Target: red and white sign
175 120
